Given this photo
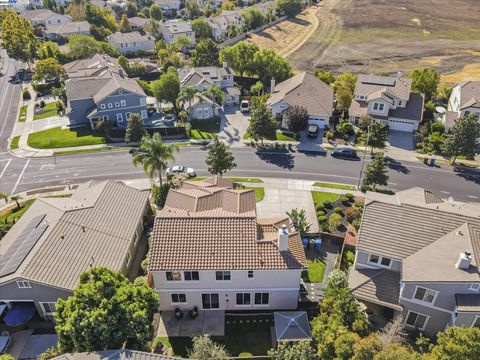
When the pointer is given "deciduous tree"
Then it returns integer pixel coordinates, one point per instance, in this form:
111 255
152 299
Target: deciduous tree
167 88
106 311
240 57
219 158
345 81
124 25
344 100
205 349
83 46
205 54
268 64
378 135
100 17
202 29
296 350
326 76
18 38
425 81
48 70
463 136
155 12
457 343
291 8
253 18
135 129
376 172
296 118
262 124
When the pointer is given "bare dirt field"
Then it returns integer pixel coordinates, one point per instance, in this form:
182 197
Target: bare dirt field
383 35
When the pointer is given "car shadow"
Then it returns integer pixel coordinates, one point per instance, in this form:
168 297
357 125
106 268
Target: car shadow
467 173
282 159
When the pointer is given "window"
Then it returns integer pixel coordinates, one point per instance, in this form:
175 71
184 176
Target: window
378 106
416 320
144 114
143 102
105 117
381 107
127 115
191 276
24 285
179 298
210 301
476 322
400 103
379 260
424 294
102 106
223 275
261 298
474 287
123 102
48 307
250 274
119 117
173 276
117 104
467 113
120 92
110 105
243 298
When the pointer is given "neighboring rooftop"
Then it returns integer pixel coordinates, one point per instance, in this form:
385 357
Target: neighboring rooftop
121 354
398 87
219 230
469 94
69 28
93 227
198 75
137 21
177 27
127 38
307 91
39 14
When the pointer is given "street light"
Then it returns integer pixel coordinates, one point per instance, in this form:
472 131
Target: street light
364 155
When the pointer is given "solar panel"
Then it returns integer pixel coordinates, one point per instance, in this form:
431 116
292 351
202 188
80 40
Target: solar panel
379 80
25 241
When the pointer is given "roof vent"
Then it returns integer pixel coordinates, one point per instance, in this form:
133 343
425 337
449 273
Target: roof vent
464 260
84 228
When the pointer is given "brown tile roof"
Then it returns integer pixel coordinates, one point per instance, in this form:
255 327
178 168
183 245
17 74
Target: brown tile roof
201 229
307 91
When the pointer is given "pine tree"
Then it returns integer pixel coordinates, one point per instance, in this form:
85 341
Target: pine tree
219 159
376 172
135 130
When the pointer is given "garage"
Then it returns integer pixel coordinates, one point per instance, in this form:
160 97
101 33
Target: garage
321 123
401 125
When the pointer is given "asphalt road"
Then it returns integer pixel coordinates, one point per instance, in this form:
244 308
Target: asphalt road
445 181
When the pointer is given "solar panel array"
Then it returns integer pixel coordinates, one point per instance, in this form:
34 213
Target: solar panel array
25 241
379 80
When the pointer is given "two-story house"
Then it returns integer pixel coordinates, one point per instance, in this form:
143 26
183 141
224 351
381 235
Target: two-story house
97 89
137 23
169 6
387 100
464 100
210 251
57 239
221 23
62 31
418 255
204 77
45 17
172 29
304 90
131 42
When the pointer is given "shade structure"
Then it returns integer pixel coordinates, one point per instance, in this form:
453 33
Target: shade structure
2 308
4 340
19 313
291 326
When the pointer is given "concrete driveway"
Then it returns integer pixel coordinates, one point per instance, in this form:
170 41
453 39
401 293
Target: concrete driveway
400 145
311 144
233 126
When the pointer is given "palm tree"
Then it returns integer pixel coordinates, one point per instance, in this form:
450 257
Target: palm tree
214 93
4 196
16 198
187 93
154 155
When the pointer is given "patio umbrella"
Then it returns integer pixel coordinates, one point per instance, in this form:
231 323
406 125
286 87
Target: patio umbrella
19 313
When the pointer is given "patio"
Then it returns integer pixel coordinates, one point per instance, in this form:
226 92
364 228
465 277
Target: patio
207 322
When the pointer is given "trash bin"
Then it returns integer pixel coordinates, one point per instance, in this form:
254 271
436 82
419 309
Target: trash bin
305 242
318 244
432 161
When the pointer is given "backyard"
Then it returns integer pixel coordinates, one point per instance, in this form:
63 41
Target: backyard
315 272
58 138
48 110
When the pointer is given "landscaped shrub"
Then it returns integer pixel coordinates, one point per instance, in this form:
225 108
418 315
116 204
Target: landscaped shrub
325 227
26 94
437 128
338 210
349 197
352 214
320 207
320 213
42 103
334 221
345 201
356 223
322 219
359 204
327 204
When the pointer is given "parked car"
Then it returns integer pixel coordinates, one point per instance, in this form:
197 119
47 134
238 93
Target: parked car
313 131
175 170
245 106
169 117
344 153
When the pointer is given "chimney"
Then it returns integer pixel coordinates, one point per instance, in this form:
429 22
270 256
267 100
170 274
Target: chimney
272 85
225 65
283 238
464 260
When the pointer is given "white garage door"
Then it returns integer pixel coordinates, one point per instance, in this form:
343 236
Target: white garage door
401 125
319 122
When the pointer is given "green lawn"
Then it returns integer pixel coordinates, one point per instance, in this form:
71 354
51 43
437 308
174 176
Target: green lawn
17 213
22 115
282 137
14 143
259 192
83 151
246 180
48 110
205 129
321 196
57 138
334 186
316 269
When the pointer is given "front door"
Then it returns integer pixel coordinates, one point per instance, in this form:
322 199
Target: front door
210 301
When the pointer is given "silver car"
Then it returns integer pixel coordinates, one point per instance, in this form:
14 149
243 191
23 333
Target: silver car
175 170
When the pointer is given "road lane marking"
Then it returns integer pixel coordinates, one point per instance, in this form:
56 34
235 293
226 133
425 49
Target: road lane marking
21 174
5 168
445 192
472 197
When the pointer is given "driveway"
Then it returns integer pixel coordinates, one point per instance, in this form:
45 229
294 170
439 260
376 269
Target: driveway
311 144
233 126
400 145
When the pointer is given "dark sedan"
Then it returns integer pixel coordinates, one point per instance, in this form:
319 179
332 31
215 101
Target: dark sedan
344 153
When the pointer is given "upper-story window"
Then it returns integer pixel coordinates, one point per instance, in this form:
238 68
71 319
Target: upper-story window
400 102
250 274
467 112
416 320
110 105
378 106
117 104
143 101
102 106
223 276
173 275
123 102
23 284
191 276
474 287
361 97
424 294
379 260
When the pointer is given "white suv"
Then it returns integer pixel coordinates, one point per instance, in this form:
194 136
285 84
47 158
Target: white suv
245 106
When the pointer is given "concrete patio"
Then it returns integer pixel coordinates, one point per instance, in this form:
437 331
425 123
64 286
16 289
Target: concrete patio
207 322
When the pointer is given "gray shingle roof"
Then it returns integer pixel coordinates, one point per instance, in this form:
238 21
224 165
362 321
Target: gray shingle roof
68 28
469 94
130 37
413 110
396 86
292 326
177 27
121 354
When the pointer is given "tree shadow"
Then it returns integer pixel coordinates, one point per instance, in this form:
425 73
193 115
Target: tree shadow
283 160
396 165
467 173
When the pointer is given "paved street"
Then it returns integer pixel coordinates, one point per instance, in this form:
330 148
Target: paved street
37 173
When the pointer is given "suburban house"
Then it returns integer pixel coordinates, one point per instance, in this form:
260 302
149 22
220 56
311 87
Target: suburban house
131 42
201 108
387 100
61 31
45 17
304 90
137 23
221 23
418 256
56 239
120 354
210 251
204 77
464 100
172 29
98 89
169 5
